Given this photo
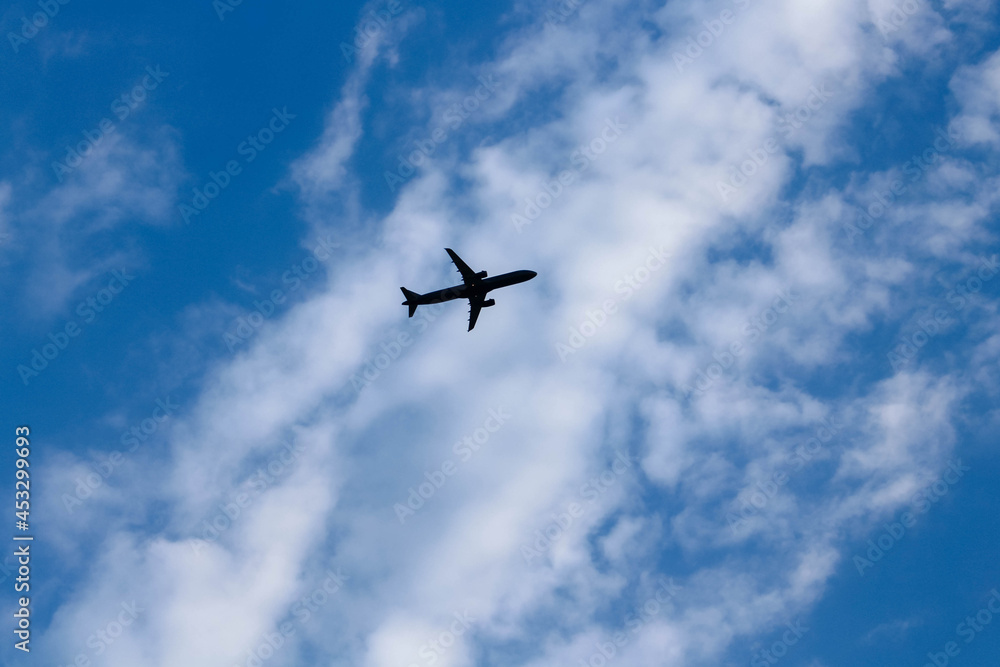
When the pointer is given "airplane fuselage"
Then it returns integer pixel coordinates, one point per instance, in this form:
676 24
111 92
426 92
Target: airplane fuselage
477 289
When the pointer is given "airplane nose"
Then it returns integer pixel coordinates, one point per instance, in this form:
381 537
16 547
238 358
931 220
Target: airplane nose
533 274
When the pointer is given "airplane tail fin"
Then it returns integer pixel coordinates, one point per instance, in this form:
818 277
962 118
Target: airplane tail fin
411 300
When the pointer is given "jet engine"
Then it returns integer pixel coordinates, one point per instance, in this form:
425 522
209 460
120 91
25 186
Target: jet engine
481 274
489 302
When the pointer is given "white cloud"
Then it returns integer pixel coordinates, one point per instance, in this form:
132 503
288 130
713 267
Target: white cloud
120 182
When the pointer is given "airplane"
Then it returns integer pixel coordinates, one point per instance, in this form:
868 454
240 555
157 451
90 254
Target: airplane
474 288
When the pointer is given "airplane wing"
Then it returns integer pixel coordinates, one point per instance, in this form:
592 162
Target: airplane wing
468 275
475 305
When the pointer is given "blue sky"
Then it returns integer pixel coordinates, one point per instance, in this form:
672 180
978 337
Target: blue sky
745 414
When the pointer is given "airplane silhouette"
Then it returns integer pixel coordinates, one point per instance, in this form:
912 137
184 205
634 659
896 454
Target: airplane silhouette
474 288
